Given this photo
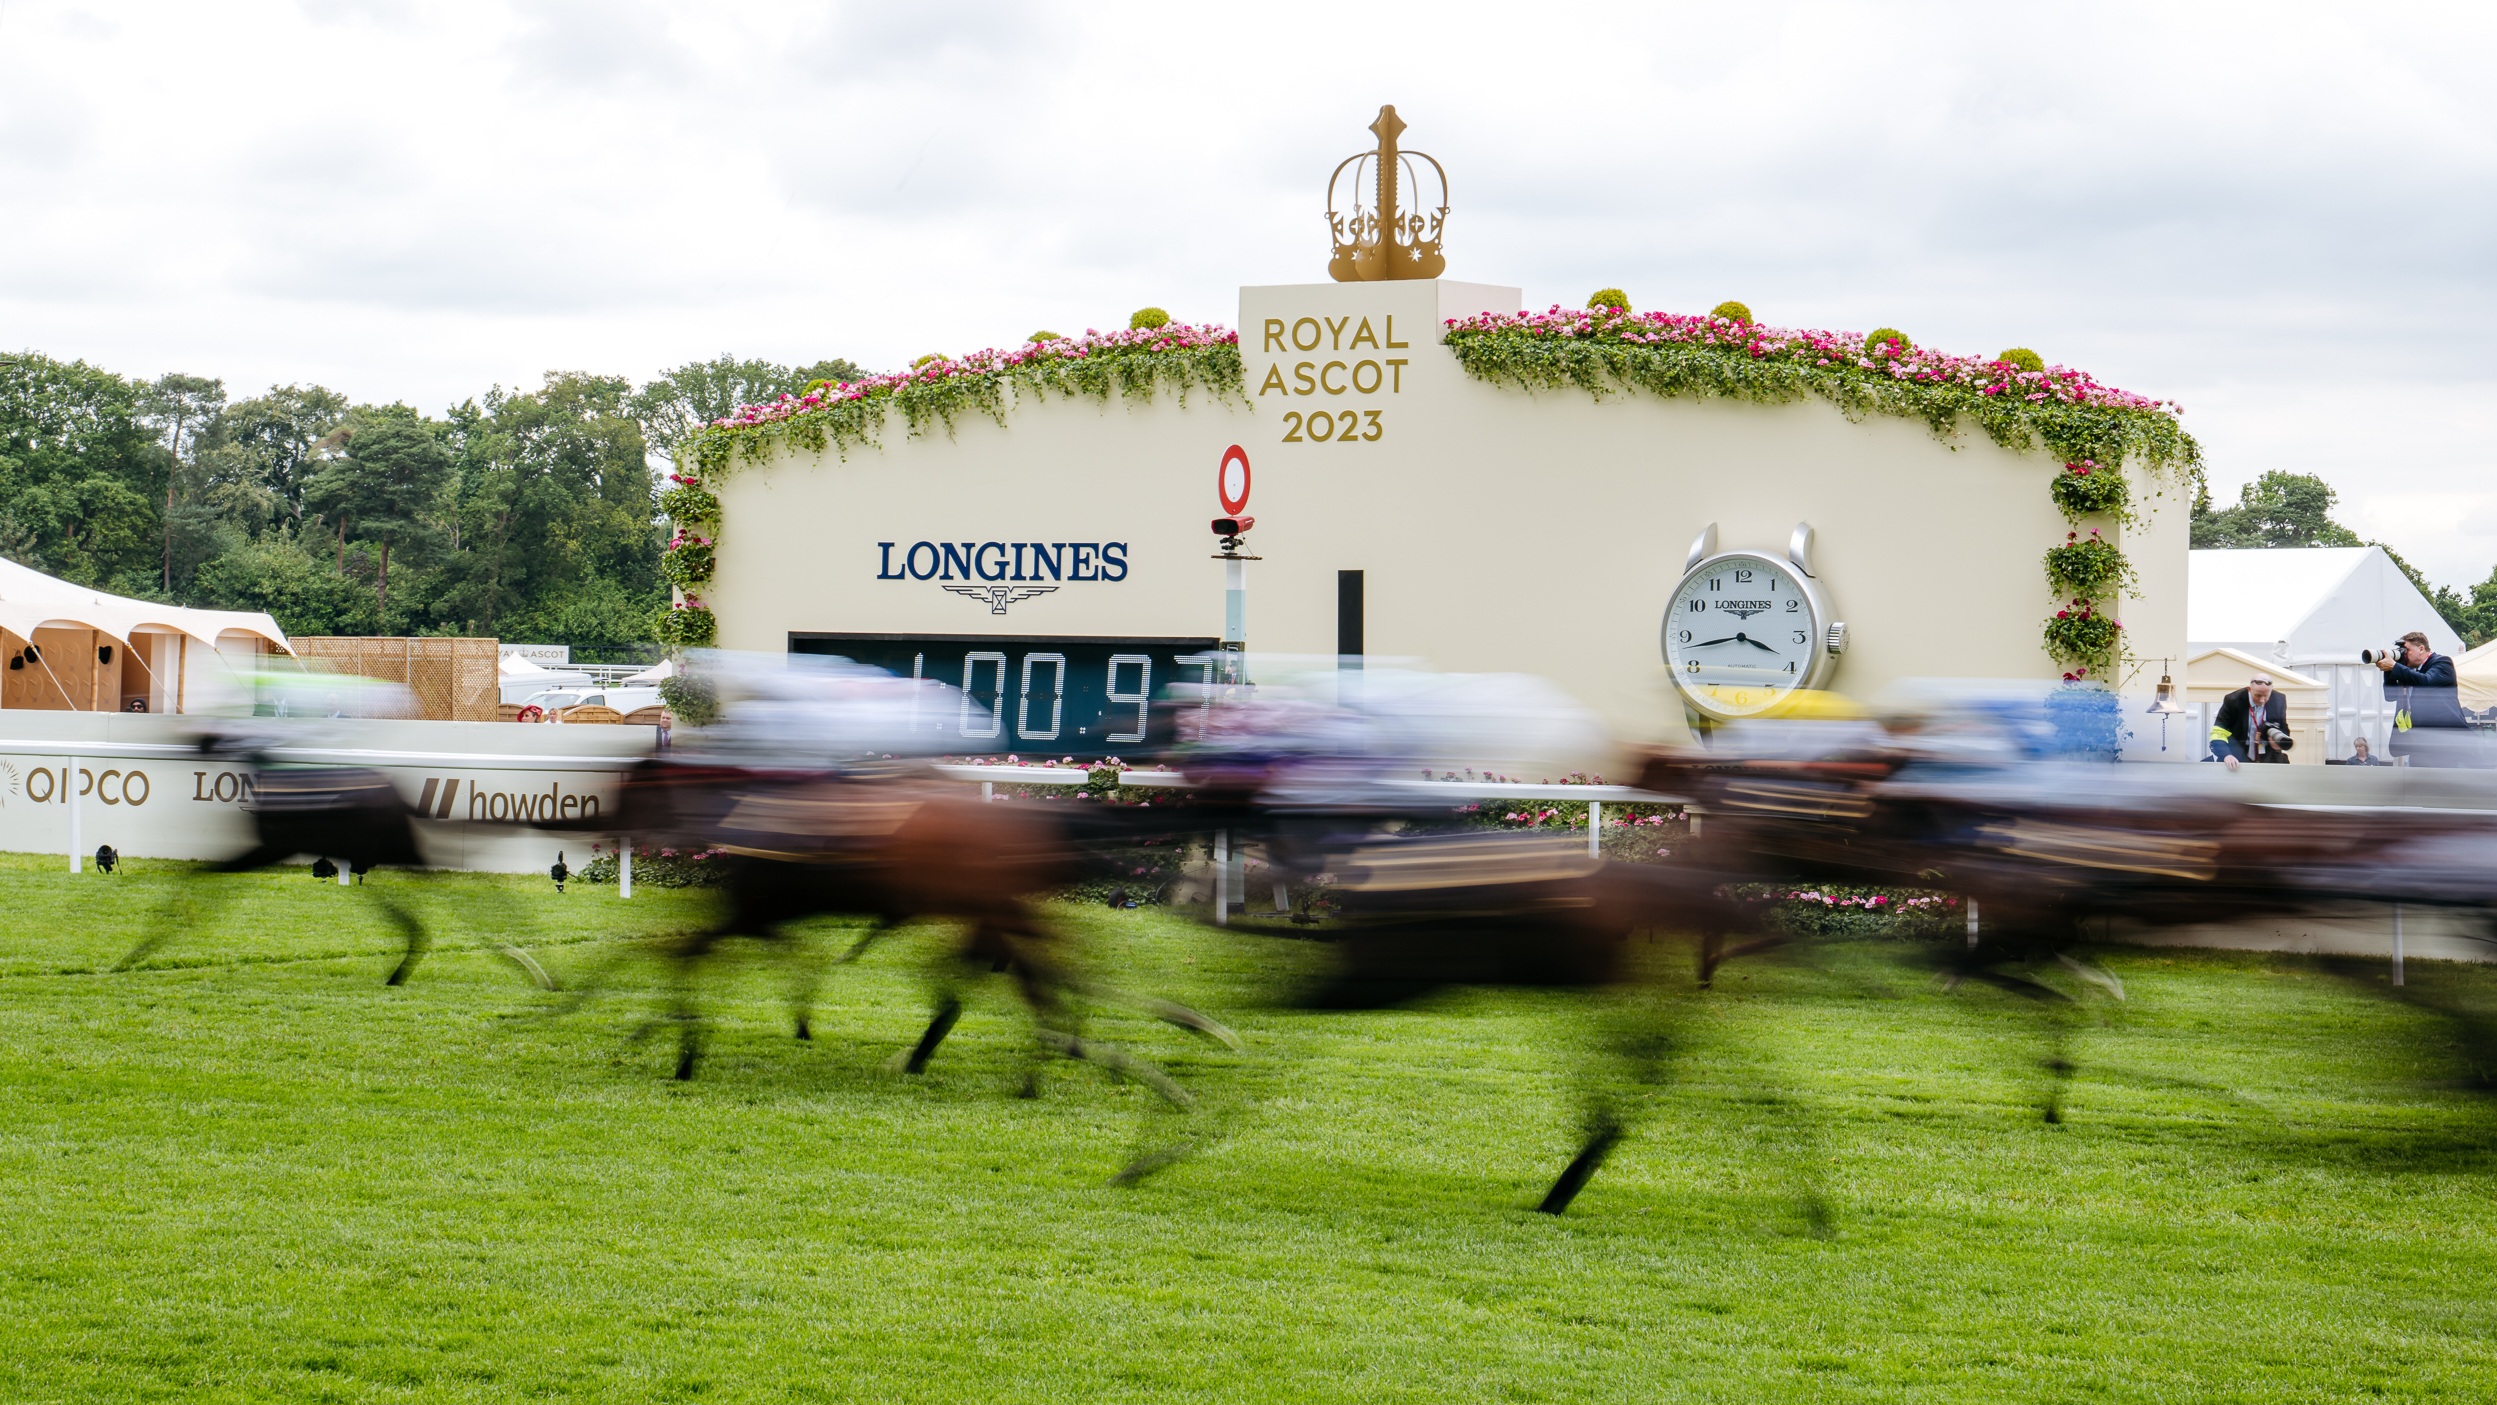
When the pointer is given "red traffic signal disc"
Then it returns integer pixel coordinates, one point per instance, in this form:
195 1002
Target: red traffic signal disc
1231 481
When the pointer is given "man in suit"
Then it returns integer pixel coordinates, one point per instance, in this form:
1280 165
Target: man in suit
2244 727
2428 726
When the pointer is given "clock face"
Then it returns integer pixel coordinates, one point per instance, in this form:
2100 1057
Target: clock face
1743 633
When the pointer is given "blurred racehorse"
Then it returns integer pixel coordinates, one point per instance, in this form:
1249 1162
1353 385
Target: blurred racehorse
347 814
896 850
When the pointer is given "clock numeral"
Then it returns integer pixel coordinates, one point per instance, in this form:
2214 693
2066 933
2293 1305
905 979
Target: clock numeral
1792 604
1800 637
1698 605
1716 582
1772 585
1686 637
1790 665
1742 577
1691 667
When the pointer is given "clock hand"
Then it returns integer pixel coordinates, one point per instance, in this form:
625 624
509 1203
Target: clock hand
1756 643
1704 643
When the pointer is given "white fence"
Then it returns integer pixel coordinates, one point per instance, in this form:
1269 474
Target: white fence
71 781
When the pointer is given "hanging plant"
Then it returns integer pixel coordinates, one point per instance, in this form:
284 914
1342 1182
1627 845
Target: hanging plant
2084 489
689 561
694 700
2080 636
2090 567
687 624
689 504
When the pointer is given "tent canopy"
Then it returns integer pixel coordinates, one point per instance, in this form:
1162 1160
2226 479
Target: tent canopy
2306 604
2476 672
31 600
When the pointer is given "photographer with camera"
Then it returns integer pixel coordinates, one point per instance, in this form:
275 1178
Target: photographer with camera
2252 725
2428 726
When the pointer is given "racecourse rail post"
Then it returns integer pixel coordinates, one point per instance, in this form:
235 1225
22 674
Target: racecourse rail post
1222 878
1595 829
1972 924
624 868
2397 943
77 841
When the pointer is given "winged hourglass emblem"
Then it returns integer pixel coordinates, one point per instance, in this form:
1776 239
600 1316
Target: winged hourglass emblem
1000 596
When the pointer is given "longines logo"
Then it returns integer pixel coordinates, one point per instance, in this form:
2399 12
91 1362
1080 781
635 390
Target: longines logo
1001 565
1743 609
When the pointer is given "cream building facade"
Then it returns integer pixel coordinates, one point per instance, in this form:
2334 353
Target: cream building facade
1493 530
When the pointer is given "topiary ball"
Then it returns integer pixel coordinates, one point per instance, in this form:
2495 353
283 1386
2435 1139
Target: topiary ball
924 360
1731 311
1609 297
1148 318
1044 336
2022 358
1880 342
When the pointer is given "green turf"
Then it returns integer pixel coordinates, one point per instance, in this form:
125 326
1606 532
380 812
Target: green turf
250 1172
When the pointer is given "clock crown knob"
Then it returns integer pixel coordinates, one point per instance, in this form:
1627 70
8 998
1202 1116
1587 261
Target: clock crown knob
1838 637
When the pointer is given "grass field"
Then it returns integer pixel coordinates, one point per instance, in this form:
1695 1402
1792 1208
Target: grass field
250 1172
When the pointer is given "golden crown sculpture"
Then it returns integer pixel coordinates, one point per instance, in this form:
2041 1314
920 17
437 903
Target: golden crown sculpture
1383 239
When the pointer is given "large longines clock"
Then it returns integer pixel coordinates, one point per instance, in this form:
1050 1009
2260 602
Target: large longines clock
1747 629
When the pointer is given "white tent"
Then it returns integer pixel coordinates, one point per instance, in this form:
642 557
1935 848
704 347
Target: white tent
70 647
2306 604
517 679
31 600
2476 671
659 672
2313 609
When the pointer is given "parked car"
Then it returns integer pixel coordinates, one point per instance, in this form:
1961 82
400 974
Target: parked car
623 700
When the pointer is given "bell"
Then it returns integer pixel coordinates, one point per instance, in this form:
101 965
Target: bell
2164 704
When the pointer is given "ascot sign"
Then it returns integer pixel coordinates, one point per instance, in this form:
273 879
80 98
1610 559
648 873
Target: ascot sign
1006 573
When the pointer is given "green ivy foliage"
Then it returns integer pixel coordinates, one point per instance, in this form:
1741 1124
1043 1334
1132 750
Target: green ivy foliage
1131 373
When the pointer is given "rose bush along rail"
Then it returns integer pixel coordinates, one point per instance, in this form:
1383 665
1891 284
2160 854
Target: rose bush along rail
2019 402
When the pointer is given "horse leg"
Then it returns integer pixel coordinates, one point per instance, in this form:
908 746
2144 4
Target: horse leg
811 977
948 1010
410 929
186 901
1602 1134
687 956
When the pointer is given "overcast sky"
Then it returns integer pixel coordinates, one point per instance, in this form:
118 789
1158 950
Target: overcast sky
2279 215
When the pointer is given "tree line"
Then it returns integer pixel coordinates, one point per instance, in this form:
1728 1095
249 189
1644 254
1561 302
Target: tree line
2295 509
519 514
522 514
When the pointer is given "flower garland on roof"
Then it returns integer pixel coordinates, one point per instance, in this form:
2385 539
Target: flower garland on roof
1135 364
1603 348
